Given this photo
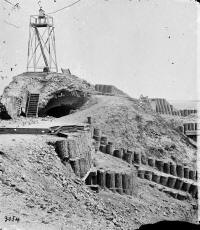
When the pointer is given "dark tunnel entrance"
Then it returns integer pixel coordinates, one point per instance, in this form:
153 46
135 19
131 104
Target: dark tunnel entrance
63 104
59 111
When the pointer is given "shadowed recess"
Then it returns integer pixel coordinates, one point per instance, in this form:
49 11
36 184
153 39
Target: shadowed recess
172 225
63 102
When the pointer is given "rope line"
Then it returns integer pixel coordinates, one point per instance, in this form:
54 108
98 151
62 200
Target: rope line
12 4
11 24
9 2
68 6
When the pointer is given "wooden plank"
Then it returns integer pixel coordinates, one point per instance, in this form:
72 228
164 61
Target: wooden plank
192 132
57 130
68 128
24 131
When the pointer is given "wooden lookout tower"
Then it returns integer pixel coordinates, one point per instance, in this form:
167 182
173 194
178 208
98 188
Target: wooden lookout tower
41 44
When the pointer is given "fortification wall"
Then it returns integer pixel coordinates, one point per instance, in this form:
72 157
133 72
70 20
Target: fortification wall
160 105
109 90
76 150
123 183
163 107
190 127
187 112
180 179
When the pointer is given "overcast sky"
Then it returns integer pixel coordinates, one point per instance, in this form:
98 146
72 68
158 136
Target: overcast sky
144 47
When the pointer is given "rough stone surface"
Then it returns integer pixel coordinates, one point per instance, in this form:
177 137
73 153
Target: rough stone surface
47 85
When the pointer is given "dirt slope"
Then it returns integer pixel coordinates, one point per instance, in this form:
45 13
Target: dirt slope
131 124
36 187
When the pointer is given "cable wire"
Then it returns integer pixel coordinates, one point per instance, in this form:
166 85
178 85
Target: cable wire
9 2
11 24
68 6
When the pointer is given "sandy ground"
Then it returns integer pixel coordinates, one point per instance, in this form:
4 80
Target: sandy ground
34 188
129 124
38 188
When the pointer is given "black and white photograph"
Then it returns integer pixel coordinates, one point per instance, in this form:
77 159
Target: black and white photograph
99 114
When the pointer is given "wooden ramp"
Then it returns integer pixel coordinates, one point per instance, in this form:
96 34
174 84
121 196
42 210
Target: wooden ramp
32 105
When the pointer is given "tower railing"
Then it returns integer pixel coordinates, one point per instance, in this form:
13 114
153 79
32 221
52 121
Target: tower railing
41 45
